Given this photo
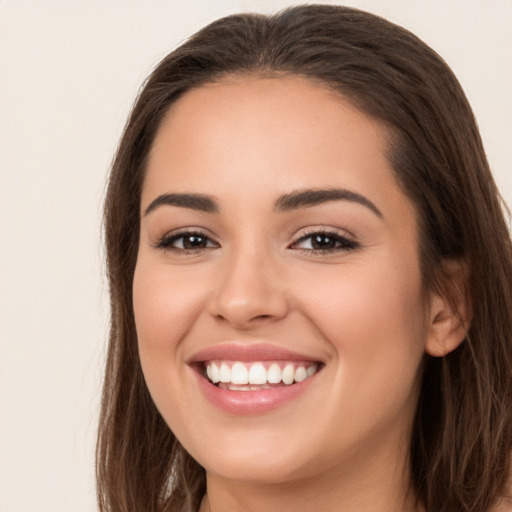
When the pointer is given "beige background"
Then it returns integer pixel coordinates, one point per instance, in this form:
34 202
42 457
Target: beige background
69 71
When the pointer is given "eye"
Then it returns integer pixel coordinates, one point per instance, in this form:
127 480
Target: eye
189 241
324 241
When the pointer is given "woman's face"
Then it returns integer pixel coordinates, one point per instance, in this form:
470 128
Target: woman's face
276 247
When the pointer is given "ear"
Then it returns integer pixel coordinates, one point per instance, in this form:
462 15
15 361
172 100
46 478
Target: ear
450 310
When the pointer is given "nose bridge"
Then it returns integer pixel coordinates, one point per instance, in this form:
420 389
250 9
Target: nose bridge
249 287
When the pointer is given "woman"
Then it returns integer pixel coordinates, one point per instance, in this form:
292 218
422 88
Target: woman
310 279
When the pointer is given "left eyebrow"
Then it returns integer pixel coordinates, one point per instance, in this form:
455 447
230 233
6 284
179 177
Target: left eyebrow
312 197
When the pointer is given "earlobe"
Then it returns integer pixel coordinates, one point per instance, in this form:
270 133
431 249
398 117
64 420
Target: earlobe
450 311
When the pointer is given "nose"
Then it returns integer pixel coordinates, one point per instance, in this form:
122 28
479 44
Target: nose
250 292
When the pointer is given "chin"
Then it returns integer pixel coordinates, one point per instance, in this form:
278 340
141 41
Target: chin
257 468
269 455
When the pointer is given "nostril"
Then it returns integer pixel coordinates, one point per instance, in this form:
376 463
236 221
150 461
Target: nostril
243 322
247 306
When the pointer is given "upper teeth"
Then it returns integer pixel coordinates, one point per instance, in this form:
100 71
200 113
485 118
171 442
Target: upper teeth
258 373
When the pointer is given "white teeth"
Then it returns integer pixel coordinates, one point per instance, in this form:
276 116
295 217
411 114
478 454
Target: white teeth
257 374
254 376
300 374
225 373
274 374
215 372
288 374
239 374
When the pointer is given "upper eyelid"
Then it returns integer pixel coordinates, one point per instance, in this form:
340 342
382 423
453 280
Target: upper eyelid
347 240
328 230
164 240
187 231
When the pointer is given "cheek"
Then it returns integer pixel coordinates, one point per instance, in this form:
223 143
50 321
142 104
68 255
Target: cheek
164 303
373 319
382 299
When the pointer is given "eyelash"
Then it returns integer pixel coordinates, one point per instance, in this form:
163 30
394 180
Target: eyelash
341 242
165 243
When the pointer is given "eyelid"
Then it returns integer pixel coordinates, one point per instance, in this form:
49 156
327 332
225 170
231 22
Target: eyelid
322 228
344 241
164 242
347 240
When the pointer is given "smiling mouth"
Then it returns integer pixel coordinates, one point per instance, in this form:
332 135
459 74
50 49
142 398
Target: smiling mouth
257 375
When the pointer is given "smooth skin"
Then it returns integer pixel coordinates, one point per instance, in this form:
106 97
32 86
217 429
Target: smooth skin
250 273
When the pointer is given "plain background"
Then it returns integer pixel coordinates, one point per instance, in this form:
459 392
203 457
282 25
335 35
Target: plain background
69 71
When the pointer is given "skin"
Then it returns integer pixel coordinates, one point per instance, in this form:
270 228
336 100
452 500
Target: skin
343 444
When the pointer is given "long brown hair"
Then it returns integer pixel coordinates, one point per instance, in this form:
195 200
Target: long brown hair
462 433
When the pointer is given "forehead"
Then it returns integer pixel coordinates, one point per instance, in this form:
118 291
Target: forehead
287 110
267 135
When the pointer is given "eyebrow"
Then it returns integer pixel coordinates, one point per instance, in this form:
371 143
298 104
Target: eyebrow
201 202
312 197
287 202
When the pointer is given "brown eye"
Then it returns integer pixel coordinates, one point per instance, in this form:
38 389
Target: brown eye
188 242
194 242
324 242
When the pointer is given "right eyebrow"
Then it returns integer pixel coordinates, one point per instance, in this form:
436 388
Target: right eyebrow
201 202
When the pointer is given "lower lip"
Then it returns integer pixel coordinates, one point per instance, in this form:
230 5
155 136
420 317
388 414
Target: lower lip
251 402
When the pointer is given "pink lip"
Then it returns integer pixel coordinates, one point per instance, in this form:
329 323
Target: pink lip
247 352
249 402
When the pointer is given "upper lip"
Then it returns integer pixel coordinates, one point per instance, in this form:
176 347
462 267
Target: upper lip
248 352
